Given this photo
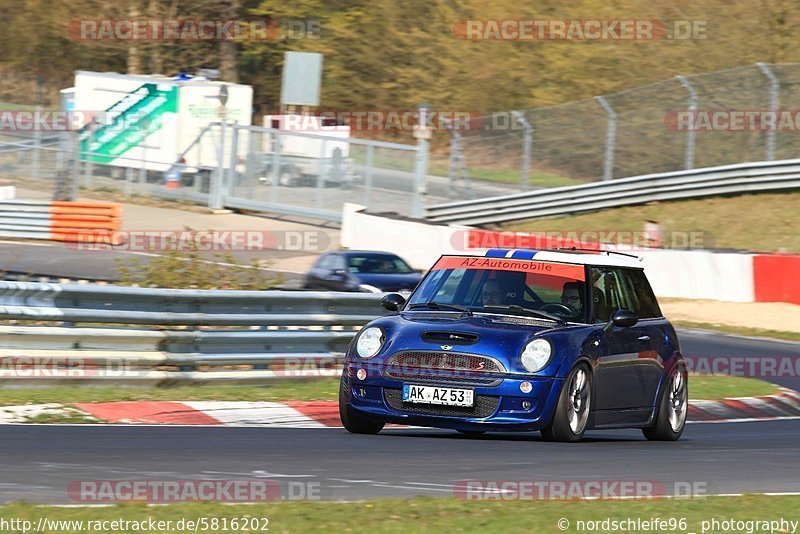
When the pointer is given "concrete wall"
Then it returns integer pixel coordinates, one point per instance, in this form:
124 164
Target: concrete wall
692 274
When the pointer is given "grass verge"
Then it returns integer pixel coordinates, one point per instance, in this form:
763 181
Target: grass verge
310 390
705 387
430 515
536 178
744 222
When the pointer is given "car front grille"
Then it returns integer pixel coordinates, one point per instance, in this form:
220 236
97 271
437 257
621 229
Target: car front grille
444 367
485 406
450 361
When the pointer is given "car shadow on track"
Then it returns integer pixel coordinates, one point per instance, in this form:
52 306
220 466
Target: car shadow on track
506 436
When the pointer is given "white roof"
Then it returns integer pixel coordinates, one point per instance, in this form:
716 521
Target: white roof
602 258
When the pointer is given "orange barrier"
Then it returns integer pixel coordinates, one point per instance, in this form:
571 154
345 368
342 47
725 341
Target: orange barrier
85 222
103 208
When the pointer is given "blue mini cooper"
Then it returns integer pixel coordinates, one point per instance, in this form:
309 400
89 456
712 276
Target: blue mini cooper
519 340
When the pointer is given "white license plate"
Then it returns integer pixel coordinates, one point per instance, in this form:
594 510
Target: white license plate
437 395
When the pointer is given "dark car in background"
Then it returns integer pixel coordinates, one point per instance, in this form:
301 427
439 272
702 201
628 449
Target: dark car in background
356 270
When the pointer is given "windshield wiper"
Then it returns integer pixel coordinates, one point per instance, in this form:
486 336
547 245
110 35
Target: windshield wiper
441 306
530 312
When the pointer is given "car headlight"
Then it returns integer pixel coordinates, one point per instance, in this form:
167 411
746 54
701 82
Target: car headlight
536 355
369 342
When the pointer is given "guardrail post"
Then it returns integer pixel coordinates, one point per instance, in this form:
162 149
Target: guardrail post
423 134
774 88
611 136
690 135
215 196
527 142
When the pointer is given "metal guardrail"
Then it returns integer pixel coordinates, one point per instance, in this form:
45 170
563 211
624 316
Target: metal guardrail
728 179
288 334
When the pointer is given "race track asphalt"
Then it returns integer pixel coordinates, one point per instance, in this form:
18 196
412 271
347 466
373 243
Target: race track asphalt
39 461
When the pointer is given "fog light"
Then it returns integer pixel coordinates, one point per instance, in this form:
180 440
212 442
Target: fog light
362 392
361 374
526 405
526 387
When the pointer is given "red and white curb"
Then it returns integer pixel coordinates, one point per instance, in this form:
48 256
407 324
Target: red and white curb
325 414
779 406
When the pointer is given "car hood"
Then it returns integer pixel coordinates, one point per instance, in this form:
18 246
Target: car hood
502 337
389 282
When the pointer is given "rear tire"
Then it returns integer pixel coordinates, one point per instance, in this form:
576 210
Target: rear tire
352 421
574 404
671 416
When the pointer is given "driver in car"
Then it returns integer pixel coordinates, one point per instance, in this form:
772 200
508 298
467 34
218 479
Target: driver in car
572 298
492 294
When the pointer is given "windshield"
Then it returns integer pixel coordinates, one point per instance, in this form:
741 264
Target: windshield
378 264
498 285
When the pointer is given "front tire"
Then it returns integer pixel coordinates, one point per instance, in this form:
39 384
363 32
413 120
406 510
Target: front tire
352 421
671 417
572 412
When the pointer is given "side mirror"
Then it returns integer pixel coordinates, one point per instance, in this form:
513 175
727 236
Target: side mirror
393 302
624 318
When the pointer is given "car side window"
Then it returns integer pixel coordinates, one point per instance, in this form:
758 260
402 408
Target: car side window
440 287
338 263
608 295
644 302
325 262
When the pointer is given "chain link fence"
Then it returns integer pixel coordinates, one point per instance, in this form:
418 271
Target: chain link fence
630 133
231 166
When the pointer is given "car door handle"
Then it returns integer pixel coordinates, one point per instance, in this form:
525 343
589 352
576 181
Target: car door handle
644 338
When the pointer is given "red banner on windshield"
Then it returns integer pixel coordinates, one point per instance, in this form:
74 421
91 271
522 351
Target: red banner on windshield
547 268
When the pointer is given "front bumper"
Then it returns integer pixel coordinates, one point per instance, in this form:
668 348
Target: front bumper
497 407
